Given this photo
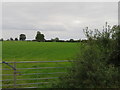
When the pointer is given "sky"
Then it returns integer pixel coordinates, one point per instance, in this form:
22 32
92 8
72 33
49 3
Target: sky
64 20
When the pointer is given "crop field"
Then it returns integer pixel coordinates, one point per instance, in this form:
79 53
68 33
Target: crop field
16 51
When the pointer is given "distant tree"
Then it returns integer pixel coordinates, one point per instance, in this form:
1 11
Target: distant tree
22 37
16 39
79 40
1 39
55 39
11 39
8 40
71 40
40 37
52 39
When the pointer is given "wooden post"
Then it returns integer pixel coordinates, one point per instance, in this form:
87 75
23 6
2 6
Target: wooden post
14 75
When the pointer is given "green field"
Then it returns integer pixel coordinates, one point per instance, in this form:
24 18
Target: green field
37 51
29 51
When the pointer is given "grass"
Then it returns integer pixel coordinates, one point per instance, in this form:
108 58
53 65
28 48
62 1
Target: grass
37 51
29 51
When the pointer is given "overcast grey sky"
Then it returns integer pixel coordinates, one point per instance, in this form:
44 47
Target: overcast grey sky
61 19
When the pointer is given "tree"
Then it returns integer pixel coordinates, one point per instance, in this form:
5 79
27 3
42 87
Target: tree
7 40
91 68
40 37
22 37
16 39
1 39
11 39
115 55
55 40
71 40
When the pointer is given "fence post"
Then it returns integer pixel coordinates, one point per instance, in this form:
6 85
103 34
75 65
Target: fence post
14 75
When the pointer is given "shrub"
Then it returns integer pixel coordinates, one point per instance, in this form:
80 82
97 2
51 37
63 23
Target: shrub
91 68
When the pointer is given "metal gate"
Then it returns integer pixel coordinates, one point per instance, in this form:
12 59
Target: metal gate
32 74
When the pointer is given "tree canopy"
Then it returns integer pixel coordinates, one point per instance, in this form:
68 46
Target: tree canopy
22 37
40 37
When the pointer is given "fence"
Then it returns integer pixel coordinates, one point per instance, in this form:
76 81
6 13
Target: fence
18 72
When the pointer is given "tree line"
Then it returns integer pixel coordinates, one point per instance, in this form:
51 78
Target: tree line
41 38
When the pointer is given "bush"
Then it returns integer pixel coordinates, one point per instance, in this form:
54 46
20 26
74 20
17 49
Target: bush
91 68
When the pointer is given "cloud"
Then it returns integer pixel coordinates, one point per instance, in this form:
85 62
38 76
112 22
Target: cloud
52 28
57 17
